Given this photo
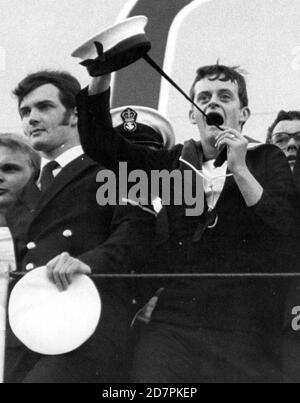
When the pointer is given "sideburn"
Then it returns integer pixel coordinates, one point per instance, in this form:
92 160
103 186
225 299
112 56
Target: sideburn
66 118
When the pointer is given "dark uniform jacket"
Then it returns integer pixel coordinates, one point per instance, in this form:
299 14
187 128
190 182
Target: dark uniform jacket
67 218
291 335
245 239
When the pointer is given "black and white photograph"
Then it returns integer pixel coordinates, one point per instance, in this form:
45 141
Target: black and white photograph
149 194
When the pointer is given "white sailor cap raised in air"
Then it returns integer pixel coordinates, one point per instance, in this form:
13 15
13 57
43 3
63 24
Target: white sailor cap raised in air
143 125
51 322
120 45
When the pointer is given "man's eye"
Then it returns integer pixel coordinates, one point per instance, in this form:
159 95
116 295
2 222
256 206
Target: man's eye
24 113
203 99
280 140
10 169
225 97
44 107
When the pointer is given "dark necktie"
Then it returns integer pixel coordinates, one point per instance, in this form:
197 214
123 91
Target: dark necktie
47 176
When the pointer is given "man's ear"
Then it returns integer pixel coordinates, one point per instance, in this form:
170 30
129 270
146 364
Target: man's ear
244 115
192 117
74 117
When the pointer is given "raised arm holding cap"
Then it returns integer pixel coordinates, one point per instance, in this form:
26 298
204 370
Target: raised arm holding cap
248 215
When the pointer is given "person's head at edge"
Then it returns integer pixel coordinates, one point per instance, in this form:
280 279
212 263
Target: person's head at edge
284 132
47 106
18 163
218 89
143 126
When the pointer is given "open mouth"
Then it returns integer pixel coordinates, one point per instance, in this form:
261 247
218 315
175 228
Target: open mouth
3 191
291 158
214 118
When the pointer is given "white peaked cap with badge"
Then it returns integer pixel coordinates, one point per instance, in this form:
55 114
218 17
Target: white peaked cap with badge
111 36
142 124
116 47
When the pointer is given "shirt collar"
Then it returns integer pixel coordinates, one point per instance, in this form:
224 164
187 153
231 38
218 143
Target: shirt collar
211 172
65 158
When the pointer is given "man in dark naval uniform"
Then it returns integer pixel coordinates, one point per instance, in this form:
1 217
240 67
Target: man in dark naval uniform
284 132
57 222
211 330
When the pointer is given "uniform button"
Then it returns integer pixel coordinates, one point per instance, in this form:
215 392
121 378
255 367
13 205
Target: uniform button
29 266
134 302
67 233
180 243
31 245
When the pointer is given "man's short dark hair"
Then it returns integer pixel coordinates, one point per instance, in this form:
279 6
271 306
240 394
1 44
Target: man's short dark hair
223 73
67 85
282 115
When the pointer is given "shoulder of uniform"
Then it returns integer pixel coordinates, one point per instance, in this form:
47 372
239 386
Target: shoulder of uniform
177 149
264 148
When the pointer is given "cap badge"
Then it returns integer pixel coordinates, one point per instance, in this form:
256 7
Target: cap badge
129 120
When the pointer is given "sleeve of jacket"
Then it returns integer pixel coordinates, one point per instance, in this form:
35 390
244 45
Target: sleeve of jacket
277 206
103 144
129 245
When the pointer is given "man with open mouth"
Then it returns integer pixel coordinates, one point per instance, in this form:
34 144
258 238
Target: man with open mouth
211 330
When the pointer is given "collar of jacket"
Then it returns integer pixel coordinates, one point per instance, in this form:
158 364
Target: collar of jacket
192 152
36 201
